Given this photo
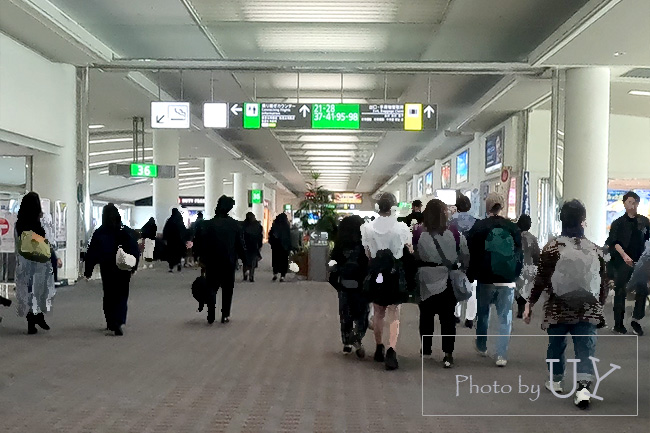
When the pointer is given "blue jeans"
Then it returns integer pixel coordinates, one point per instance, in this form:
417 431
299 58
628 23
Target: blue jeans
502 298
584 345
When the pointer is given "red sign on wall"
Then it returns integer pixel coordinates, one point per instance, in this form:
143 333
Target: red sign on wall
4 226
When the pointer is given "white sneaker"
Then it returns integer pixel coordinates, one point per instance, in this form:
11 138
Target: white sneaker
582 398
501 361
554 386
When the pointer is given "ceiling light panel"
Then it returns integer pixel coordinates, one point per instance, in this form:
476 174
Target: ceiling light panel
318 11
329 138
322 39
110 140
329 146
116 151
328 153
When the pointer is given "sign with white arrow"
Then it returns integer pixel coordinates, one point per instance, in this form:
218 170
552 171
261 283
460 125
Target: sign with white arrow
304 110
170 115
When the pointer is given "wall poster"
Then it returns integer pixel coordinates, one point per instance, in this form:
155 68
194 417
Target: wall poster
494 151
445 175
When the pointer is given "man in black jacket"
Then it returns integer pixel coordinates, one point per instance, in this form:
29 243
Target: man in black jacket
626 243
220 244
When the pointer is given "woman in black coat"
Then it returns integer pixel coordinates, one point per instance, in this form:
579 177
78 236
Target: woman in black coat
280 240
175 237
102 251
253 239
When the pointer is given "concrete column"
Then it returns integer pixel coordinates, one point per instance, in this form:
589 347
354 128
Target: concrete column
258 209
586 143
240 194
165 191
214 187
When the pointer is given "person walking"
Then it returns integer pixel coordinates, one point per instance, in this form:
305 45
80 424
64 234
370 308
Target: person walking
148 233
626 243
253 240
280 240
190 256
220 244
347 277
34 279
437 247
462 222
415 217
530 248
496 261
174 235
572 272
385 240
102 251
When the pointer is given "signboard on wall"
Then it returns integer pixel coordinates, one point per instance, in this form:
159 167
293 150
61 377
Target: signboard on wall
191 201
512 198
409 191
420 191
525 194
170 115
347 198
445 174
428 183
60 223
462 167
7 225
494 151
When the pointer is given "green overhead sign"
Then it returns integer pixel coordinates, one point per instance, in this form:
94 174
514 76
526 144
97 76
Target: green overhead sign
335 116
144 170
256 196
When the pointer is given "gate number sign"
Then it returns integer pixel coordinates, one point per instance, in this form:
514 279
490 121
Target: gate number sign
144 170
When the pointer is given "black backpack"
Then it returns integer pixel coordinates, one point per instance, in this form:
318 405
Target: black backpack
349 275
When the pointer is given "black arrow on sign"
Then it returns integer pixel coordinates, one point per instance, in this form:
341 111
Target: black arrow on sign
158 119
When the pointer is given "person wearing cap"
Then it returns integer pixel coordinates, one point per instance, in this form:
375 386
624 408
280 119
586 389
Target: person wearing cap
219 245
496 261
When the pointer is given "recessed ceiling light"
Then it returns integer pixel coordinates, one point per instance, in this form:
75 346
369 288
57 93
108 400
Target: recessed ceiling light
619 53
329 146
329 138
639 92
110 140
96 126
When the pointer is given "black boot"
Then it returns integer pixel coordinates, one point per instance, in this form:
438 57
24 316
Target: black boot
210 315
31 324
379 353
40 321
225 319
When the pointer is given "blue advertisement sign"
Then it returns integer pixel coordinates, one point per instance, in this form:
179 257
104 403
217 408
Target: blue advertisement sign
494 151
462 167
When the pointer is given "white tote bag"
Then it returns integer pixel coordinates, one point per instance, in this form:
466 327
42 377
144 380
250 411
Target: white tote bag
124 261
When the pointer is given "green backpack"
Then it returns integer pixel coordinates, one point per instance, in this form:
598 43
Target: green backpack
500 245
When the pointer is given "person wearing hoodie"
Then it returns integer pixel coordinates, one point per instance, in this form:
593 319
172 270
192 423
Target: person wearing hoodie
219 245
386 240
174 235
148 233
102 251
280 241
253 240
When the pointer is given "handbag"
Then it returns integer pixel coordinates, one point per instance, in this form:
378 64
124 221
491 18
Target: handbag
459 282
34 247
124 261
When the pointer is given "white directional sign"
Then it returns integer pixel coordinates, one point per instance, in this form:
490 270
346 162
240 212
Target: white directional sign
429 111
304 110
170 115
215 115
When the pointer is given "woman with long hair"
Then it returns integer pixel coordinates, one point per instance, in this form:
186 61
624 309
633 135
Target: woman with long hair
437 248
280 240
347 277
253 240
385 240
34 280
174 235
102 251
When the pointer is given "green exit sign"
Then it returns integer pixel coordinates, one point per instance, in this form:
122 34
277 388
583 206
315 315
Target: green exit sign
287 208
335 116
144 170
256 196
403 205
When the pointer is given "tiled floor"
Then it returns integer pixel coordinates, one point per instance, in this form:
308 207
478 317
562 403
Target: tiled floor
276 367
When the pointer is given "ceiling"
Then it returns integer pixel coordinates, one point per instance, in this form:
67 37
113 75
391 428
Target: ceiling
336 30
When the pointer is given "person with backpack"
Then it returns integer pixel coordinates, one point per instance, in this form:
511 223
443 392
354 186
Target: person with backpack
386 240
572 271
496 261
438 250
347 277
462 222
219 246
531 251
626 242
102 251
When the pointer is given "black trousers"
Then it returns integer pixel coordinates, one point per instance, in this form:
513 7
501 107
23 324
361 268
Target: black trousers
280 260
216 280
444 305
353 313
621 277
116 296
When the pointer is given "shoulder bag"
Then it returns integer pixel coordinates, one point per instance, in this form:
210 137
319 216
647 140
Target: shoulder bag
459 282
